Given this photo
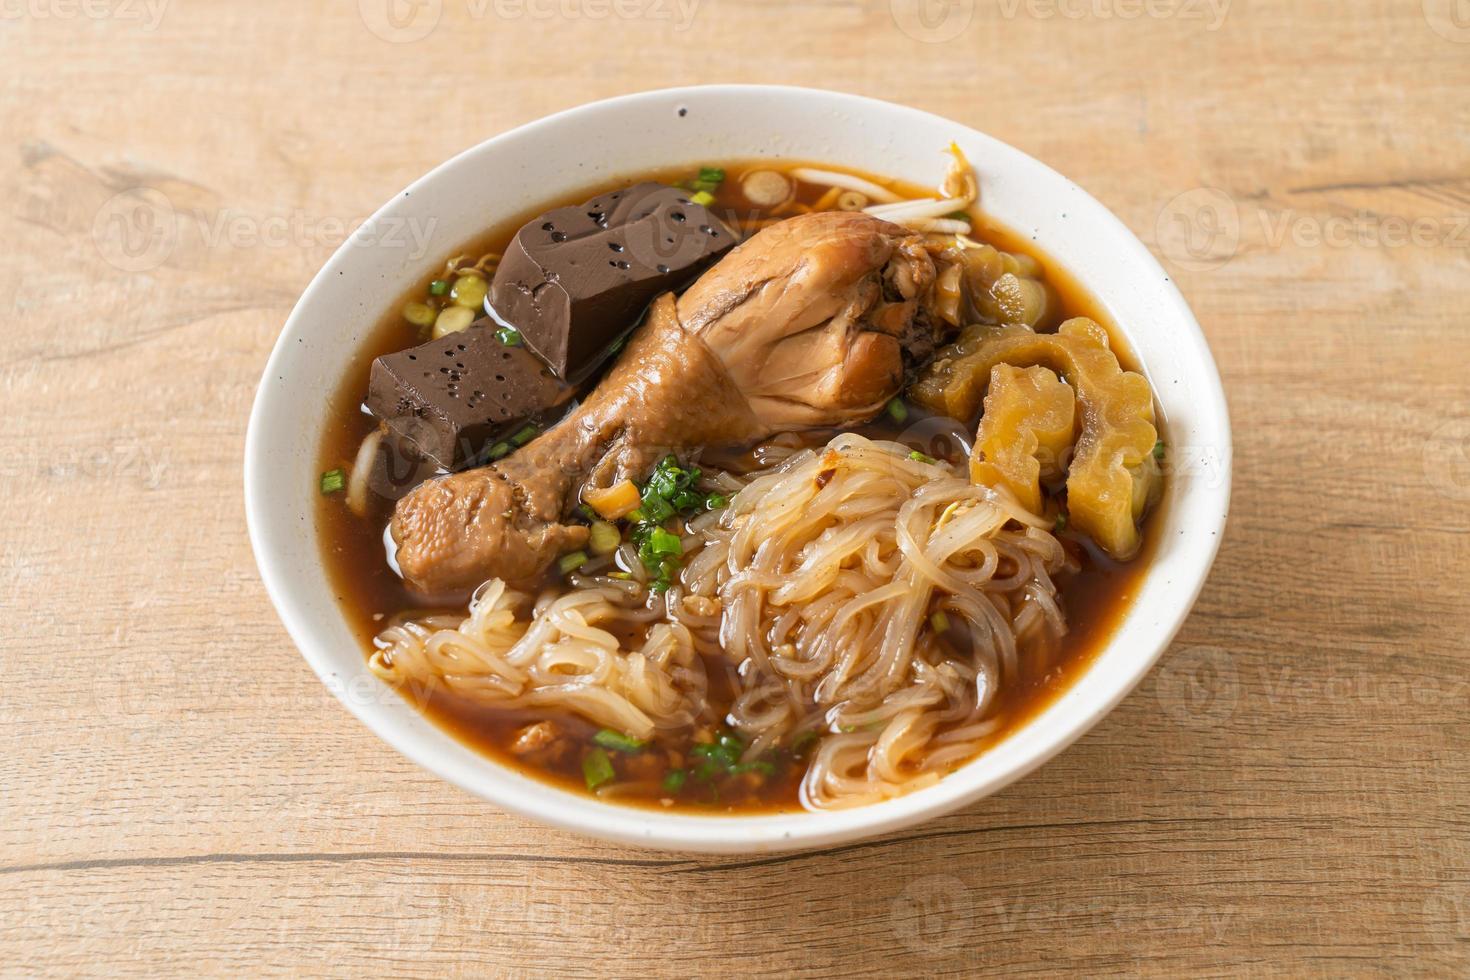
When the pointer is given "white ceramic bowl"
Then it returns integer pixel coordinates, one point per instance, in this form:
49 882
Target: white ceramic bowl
562 154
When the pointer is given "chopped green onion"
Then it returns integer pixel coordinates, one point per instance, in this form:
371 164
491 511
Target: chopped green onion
711 175
570 563
1159 449
729 740
939 621
1061 524
526 434
960 215
803 739
655 508
597 769
702 198
715 501
333 480
438 287
604 538
499 450
721 758
919 457
509 336
620 576
662 542
687 500
674 780
898 411
618 742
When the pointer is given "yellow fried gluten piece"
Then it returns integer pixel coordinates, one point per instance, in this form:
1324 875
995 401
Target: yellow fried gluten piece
1028 427
1113 476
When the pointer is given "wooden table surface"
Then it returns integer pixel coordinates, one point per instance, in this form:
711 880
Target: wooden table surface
1286 794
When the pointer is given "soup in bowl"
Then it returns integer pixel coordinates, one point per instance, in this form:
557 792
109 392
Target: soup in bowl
735 494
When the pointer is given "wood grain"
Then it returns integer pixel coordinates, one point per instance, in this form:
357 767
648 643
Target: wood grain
1286 795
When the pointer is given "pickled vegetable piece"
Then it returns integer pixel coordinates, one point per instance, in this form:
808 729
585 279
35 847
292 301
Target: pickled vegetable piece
1027 429
1113 476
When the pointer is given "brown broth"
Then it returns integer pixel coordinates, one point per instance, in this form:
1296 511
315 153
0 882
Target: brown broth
1095 600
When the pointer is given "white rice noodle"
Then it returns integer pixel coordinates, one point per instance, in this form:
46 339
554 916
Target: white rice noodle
832 178
362 471
829 569
562 658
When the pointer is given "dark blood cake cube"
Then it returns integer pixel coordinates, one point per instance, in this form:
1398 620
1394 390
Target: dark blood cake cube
450 401
577 278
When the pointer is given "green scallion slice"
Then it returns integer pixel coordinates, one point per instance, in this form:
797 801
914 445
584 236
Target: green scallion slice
570 563
939 621
597 769
438 287
1159 450
524 436
618 742
919 457
674 780
662 542
898 411
509 336
702 198
334 480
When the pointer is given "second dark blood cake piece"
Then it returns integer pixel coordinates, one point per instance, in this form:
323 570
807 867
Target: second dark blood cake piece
576 278
453 399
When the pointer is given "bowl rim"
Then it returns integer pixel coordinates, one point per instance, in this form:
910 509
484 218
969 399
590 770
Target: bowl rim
678 830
